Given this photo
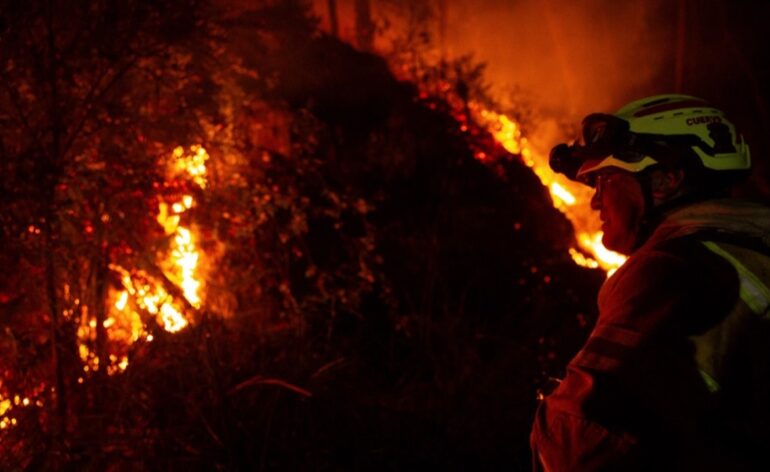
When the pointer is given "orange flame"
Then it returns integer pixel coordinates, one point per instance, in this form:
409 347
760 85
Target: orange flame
12 403
569 197
192 163
141 293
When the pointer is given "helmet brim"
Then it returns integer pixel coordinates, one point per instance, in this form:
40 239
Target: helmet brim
591 166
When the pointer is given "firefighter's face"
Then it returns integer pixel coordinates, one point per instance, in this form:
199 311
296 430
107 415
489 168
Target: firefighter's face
620 202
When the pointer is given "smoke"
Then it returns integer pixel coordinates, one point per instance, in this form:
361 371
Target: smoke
566 58
573 58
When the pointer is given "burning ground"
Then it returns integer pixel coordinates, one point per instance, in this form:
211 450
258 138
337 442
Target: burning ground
260 249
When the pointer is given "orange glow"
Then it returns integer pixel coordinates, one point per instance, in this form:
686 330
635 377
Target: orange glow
120 305
562 194
9 404
612 260
185 258
173 320
581 259
143 294
571 198
193 163
5 405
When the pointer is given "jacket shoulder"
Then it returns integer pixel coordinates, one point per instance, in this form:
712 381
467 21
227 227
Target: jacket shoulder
677 280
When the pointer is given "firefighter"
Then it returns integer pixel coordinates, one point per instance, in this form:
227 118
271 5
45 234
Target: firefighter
676 373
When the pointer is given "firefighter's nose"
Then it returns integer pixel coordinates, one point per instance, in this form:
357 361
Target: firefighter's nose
596 200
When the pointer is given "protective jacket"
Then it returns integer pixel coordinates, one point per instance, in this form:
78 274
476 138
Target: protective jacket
676 373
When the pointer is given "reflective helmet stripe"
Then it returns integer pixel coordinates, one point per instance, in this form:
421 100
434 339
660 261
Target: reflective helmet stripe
594 165
755 293
670 106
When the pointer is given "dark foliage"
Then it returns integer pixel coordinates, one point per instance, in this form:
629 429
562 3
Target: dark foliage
380 299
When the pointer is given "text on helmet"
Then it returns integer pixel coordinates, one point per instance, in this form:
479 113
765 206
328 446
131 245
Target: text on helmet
702 120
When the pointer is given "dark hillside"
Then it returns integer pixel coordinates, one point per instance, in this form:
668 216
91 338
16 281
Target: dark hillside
376 297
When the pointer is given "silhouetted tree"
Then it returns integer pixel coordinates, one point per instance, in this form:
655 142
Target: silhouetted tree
93 95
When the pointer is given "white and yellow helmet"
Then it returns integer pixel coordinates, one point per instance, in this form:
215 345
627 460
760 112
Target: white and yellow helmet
673 129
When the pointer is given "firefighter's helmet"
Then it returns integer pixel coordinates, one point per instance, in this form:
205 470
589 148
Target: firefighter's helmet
674 130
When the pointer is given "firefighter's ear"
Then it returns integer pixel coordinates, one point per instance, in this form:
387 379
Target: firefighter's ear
666 184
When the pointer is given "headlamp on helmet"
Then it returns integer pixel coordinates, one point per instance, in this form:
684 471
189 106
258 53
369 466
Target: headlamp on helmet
674 130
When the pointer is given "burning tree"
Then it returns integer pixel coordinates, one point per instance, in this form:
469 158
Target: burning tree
335 245
94 97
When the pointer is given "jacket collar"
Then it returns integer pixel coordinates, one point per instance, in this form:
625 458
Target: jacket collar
729 216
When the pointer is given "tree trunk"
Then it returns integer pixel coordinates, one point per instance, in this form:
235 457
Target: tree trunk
50 175
443 6
333 21
100 308
60 397
681 32
364 25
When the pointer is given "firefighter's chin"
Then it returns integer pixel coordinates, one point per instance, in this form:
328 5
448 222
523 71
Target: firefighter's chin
617 238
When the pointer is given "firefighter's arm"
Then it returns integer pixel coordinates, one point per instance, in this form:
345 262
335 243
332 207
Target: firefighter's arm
592 421
566 438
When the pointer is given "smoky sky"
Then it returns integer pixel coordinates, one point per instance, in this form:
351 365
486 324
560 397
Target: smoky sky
570 56
573 57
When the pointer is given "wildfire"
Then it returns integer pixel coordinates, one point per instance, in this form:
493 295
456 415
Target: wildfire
565 194
11 403
145 293
193 163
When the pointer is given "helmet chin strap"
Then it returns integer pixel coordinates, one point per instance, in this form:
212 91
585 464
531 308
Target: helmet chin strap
651 215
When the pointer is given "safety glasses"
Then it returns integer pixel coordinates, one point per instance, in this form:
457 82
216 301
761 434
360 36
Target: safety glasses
603 136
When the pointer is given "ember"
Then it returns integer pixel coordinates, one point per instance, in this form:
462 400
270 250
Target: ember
10 405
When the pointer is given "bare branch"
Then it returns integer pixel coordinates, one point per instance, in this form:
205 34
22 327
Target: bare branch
260 380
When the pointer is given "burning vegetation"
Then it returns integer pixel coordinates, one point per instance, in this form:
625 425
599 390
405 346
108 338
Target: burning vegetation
217 258
140 298
569 197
